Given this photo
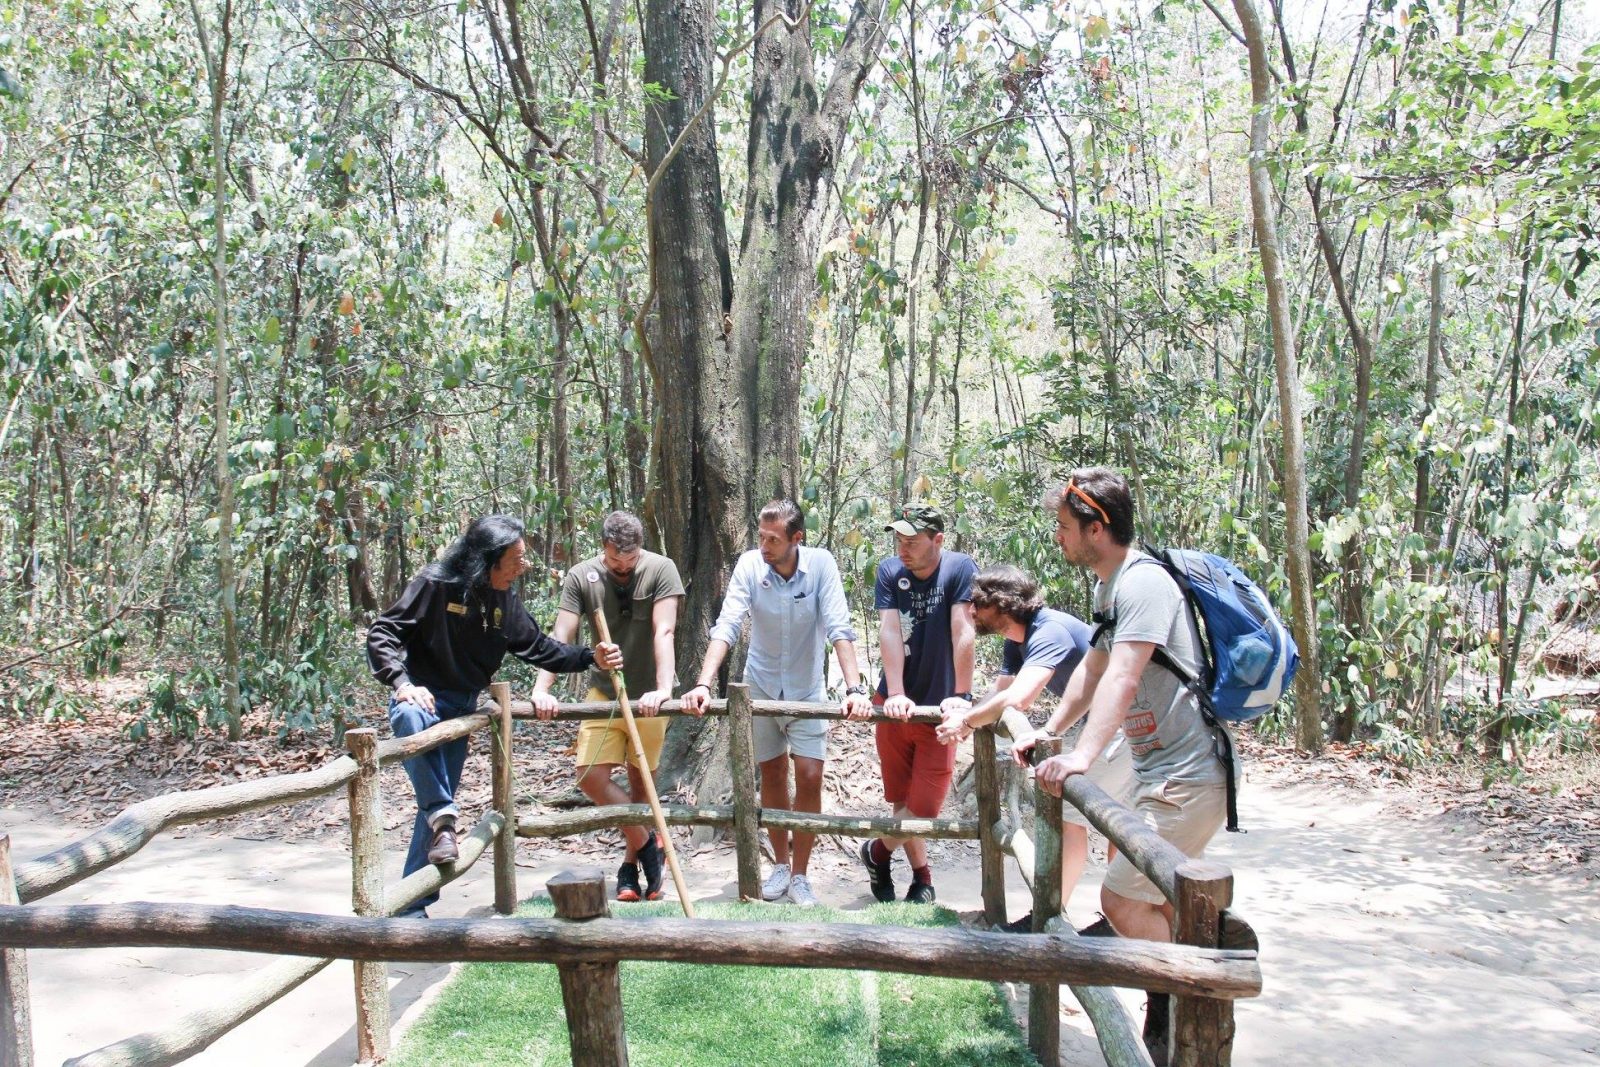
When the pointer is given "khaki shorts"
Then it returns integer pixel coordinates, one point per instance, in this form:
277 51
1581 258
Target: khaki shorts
1188 814
782 735
605 741
1113 772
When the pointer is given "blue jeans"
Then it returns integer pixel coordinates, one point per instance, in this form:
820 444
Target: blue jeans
434 775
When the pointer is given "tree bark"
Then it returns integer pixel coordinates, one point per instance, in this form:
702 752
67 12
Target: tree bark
1308 682
728 357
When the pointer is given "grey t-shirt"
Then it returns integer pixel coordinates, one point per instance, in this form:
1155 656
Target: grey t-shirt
1166 732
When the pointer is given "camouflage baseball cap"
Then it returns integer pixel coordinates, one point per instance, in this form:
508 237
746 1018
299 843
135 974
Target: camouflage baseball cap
915 517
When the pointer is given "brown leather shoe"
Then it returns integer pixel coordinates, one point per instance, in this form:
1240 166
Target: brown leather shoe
443 849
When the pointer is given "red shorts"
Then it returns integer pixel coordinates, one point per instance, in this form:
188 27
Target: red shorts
916 766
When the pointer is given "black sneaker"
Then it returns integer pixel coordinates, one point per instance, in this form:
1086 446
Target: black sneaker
1101 927
628 883
878 874
650 857
920 893
1157 1015
1023 925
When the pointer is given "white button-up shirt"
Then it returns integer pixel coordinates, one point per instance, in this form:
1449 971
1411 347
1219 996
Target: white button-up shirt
793 622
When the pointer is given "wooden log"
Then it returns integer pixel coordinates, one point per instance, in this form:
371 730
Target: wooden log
197 1030
1044 998
607 816
400 749
746 808
500 769
596 709
991 860
587 820
938 953
1155 857
16 1009
138 824
366 893
1118 1035
1202 1027
591 992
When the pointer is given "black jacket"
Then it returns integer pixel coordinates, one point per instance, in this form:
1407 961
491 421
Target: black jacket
437 637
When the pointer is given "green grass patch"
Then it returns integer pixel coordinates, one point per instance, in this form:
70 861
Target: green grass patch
690 1015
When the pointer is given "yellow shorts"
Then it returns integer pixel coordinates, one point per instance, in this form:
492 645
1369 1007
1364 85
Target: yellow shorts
602 741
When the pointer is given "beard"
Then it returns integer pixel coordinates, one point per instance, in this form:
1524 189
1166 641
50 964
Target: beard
986 628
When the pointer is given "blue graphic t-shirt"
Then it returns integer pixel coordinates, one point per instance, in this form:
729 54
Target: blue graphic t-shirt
924 606
1055 640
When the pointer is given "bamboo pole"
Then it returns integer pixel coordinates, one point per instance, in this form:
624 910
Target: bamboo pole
991 860
746 808
500 763
1044 999
366 893
604 632
590 992
16 1011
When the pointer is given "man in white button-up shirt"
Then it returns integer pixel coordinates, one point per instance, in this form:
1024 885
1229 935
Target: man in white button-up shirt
795 602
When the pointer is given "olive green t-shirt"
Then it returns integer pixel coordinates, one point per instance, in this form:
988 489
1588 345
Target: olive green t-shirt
627 611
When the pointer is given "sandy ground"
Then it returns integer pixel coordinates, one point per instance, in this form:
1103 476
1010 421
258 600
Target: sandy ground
1385 939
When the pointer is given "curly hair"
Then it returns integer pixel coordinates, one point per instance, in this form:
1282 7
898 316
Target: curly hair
1008 589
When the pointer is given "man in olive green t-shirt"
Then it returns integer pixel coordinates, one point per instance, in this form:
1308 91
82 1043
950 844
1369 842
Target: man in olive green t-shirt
638 593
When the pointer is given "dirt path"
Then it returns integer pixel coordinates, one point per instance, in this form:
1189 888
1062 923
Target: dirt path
1387 937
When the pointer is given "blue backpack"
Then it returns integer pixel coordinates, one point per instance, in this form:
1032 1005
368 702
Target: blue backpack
1250 655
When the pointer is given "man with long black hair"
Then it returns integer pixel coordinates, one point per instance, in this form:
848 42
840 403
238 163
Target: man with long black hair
439 645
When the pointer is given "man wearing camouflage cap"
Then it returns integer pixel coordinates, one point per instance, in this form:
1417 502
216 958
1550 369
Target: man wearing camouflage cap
924 602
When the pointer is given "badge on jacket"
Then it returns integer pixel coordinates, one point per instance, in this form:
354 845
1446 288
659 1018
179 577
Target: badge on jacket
455 609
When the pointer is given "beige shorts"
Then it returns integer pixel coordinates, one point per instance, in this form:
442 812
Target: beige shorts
1188 814
603 741
1113 772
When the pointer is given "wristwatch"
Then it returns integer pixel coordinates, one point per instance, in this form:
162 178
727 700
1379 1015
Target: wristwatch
858 690
967 696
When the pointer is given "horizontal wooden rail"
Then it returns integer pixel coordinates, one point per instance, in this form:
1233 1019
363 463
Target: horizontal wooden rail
138 824
592 710
1120 1040
1156 858
586 820
199 1028
1163 968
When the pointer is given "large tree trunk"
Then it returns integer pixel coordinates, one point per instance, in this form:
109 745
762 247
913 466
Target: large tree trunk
727 371
1308 683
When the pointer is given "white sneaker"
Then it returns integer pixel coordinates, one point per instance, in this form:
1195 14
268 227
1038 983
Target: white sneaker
800 891
777 883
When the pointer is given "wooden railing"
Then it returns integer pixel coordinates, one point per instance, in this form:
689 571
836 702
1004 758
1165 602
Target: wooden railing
586 946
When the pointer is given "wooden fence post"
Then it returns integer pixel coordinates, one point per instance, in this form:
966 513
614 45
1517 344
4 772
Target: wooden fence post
1044 1001
366 892
746 809
500 762
592 992
16 1013
1202 1028
990 858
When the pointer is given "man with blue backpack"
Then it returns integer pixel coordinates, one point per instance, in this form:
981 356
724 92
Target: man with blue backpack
1150 672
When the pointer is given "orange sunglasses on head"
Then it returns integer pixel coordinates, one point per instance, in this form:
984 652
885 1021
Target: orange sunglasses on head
1073 489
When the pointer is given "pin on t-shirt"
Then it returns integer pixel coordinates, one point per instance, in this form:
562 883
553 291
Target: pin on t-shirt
904 583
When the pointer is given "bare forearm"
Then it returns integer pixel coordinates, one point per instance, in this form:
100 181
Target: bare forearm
848 665
716 652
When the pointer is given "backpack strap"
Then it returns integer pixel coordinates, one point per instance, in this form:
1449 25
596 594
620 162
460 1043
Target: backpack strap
1224 740
1208 712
